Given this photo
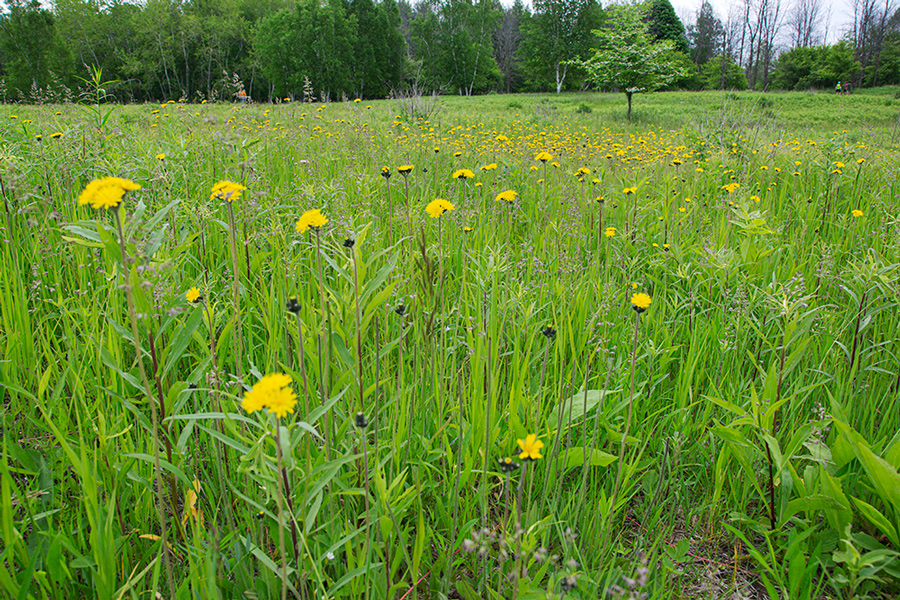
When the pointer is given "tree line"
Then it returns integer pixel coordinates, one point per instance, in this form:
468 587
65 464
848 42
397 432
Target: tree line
331 49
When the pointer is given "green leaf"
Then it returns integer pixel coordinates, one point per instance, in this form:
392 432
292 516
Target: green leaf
883 476
597 457
873 516
578 405
163 464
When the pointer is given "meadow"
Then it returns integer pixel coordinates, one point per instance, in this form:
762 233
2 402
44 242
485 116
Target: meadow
500 347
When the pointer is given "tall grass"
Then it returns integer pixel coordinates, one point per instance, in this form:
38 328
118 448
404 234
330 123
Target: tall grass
740 437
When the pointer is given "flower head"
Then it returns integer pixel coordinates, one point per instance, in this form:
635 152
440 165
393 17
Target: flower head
106 192
227 191
311 218
731 187
438 207
543 157
857 213
610 232
640 302
193 295
161 156
507 196
405 170
631 190
386 172
463 174
273 391
531 447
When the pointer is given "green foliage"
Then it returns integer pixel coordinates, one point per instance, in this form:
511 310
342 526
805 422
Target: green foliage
453 40
721 73
32 53
311 40
817 67
688 78
557 32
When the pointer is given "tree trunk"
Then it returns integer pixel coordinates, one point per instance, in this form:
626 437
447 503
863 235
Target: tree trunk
628 95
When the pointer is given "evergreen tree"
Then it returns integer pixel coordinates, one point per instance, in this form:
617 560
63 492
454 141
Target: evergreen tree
705 35
664 24
507 41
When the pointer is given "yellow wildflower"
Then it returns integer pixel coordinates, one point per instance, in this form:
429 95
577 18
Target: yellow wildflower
438 207
227 191
106 192
531 447
311 218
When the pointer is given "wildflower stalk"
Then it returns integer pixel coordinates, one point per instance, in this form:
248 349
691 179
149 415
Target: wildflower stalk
390 214
368 515
235 294
621 469
518 533
543 373
301 357
859 314
284 495
323 344
409 229
455 497
160 512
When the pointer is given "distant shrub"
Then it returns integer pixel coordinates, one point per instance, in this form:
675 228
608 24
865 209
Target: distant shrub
583 109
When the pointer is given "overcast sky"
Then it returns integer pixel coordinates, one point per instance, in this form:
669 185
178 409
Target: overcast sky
841 13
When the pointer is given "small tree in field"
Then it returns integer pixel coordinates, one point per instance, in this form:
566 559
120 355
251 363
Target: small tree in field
627 58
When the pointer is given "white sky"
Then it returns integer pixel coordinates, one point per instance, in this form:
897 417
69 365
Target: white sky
840 10
841 13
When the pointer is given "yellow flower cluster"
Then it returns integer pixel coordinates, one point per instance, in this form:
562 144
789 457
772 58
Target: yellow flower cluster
311 218
273 391
507 196
227 191
438 207
106 192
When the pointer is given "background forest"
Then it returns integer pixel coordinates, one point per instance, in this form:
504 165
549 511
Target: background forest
273 49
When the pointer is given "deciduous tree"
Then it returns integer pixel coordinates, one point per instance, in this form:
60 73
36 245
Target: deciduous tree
627 58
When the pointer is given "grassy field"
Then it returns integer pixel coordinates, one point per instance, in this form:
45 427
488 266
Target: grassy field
661 362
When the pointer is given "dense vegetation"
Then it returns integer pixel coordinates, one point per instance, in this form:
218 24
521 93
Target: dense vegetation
287 350
271 49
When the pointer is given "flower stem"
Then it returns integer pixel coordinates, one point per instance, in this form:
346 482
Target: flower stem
235 295
160 513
